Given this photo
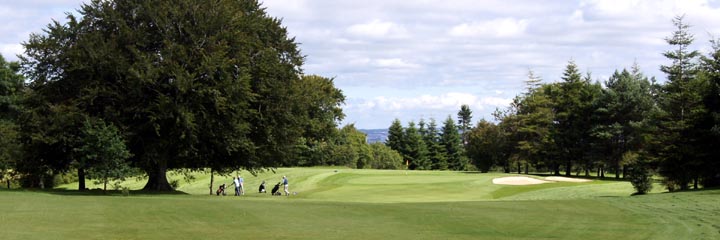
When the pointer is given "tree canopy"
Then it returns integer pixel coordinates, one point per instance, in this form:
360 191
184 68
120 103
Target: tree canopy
190 84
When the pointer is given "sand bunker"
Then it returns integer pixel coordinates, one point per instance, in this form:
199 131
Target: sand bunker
517 181
566 179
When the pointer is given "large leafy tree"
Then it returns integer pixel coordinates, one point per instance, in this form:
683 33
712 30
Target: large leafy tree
103 150
352 148
384 157
319 108
191 84
487 145
11 91
710 69
319 111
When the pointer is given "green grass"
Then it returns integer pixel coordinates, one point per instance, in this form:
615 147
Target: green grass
366 204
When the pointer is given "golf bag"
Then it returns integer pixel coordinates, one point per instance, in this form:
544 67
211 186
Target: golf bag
220 190
276 190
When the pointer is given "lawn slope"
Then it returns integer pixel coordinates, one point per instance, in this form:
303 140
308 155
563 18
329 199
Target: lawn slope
367 204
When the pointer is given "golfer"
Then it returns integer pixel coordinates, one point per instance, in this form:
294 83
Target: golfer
242 185
236 181
285 183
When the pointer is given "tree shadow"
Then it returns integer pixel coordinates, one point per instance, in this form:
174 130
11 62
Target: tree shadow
96 192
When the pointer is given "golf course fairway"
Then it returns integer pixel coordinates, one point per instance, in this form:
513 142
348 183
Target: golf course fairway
330 203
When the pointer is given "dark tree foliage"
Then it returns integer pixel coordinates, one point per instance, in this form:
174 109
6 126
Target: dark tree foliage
710 67
620 117
572 103
640 177
396 136
464 121
11 92
191 84
487 145
102 149
415 149
454 150
681 107
533 120
436 152
384 157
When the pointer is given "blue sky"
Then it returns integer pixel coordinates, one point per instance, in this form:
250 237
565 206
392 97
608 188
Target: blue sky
423 59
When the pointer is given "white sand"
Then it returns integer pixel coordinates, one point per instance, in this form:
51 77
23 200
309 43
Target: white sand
566 179
518 181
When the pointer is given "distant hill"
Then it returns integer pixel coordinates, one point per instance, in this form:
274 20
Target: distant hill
375 135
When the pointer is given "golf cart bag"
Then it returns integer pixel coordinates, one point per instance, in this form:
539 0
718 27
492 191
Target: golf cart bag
220 190
276 190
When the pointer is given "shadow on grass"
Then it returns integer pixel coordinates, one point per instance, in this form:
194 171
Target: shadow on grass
709 190
94 192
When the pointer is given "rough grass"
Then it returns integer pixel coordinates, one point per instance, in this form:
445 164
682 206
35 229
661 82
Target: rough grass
366 204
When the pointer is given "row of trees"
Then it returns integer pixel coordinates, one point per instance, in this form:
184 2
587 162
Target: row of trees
349 147
424 147
629 122
161 85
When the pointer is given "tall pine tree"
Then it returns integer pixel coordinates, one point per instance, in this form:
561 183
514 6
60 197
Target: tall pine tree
681 105
453 146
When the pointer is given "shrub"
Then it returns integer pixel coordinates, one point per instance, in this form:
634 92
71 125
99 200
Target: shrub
640 178
670 184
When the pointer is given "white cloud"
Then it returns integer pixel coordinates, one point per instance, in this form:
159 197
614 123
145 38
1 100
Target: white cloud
452 100
428 57
394 63
10 50
378 29
496 28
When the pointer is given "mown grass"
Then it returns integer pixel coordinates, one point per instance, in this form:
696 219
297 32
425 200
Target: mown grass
367 204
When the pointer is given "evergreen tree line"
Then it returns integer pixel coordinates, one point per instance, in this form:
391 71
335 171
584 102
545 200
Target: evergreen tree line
425 147
627 124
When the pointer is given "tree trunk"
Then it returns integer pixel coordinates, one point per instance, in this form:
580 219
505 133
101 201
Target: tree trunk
597 173
624 171
8 183
617 171
81 179
527 168
157 177
519 167
587 171
212 178
42 181
556 168
568 168
105 186
695 183
602 172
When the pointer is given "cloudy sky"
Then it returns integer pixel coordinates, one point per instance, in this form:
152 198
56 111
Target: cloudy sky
424 58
